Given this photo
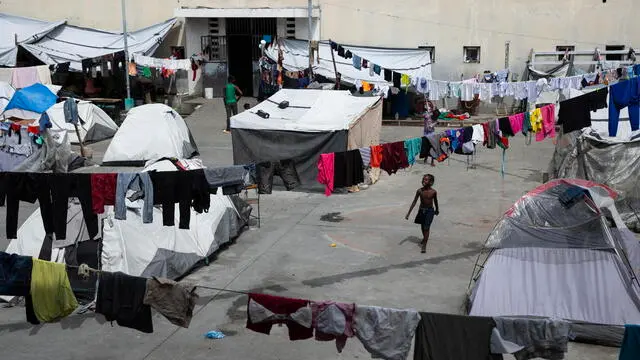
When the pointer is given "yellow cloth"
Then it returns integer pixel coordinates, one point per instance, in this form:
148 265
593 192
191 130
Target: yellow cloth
51 291
405 80
367 86
536 120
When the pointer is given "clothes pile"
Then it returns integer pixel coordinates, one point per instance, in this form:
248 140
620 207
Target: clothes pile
18 142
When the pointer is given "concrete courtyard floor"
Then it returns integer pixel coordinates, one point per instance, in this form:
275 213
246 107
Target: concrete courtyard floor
376 261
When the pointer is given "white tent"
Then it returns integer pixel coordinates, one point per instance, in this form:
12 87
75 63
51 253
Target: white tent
150 132
95 124
413 62
136 248
16 30
547 260
6 93
74 44
315 122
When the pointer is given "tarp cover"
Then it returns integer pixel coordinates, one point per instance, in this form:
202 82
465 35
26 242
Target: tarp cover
6 93
413 62
308 111
150 132
30 102
95 124
24 30
74 44
611 161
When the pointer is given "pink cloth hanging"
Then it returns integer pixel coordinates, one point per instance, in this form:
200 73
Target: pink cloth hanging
548 123
24 77
516 122
325 172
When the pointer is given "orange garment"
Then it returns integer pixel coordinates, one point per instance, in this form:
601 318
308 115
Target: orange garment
367 86
132 69
376 156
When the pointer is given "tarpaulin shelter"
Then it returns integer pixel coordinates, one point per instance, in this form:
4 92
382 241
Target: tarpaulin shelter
94 124
72 44
413 62
150 132
16 31
546 260
614 162
315 122
30 102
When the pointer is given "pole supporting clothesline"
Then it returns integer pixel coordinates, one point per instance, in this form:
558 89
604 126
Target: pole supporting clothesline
126 50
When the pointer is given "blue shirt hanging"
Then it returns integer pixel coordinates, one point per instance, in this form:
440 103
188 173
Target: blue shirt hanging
357 62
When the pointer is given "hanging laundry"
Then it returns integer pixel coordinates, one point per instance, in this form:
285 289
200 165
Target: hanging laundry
24 77
426 149
15 270
357 62
376 156
121 299
29 187
394 157
264 311
146 72
365 64
334 45
175 301
325 172
341 51
478 134
575 114
590 80
185 188
444 336
505 126
70 108
286 169
467 91
44 122
624 94
388 75
348 54
44 74
140 184
412 148
377 69
630 349
386 333
548 122
516 122
397 80
536 121
526 124
490 134
365 153
348 169
132 69
333 321
103 191
51 291
536 338
405 80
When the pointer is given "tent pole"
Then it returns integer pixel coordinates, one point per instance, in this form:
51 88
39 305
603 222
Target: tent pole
335 69
126 48
310 34
82 152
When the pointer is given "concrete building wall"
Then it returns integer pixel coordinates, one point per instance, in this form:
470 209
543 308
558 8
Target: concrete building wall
446 24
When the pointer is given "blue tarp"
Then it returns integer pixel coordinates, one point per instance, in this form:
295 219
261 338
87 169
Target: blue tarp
36 98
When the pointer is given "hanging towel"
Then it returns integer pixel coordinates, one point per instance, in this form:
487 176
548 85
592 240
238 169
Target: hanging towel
325 172
548 122
175 301
348 170
405 80
516 122
357 62
376 156
121 299
412 148
386 333
70 108
333 321
377 69
51 291
264 311
365 153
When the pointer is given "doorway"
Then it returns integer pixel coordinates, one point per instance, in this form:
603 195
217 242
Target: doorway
243 39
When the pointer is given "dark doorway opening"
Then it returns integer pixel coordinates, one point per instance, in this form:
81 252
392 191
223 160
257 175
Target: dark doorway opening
243 39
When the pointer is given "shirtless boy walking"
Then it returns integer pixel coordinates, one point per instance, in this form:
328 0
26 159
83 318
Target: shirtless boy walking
428 199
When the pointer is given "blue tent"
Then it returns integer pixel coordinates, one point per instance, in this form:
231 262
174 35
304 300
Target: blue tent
30 102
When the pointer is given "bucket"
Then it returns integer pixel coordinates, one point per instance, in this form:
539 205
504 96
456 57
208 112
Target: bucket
128 103
208 93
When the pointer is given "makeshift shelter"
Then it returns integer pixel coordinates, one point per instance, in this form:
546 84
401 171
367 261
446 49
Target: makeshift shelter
16 31
553 254
614 162
6 93
150 132
413 62
29 103
314 122
94 124
72 44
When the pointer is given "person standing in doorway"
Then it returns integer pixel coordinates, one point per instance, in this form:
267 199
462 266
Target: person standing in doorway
428 208
232 94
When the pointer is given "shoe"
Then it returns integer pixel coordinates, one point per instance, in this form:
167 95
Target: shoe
423 251
226 131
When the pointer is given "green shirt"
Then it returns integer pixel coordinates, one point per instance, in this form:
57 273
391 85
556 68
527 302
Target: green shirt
230 94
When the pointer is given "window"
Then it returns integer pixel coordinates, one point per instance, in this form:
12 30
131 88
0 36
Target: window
618 57
432 52
565 48
471 54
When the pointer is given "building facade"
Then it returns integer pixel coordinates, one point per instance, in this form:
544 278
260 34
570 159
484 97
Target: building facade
466 37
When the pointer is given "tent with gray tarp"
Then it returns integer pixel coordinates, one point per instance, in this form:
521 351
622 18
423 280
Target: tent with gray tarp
549 257
313 123
614 162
